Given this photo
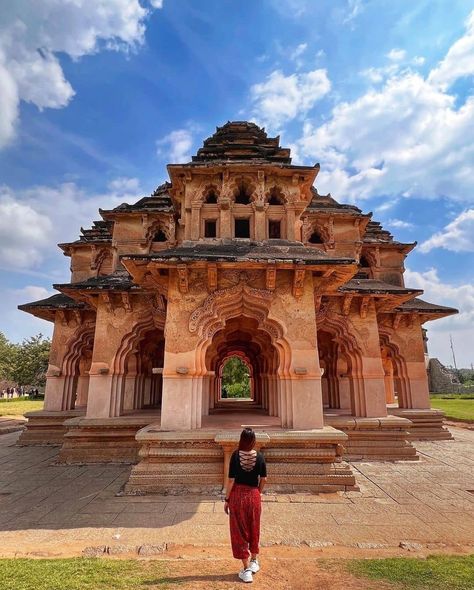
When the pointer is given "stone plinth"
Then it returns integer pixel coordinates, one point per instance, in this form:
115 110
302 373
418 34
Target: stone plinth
46 428
197 461
96 440
176 462
385 439
426 424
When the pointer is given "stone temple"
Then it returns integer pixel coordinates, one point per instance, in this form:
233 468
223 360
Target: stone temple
237 255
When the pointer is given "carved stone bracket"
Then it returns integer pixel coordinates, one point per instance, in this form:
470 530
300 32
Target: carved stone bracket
270 278
364 306
212 277
346 305
107 301
183 278
298 282
127 304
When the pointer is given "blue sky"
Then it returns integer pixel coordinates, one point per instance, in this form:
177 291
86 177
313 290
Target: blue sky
96 99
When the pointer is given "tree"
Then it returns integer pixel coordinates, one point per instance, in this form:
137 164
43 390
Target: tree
30 361
8 352
235 378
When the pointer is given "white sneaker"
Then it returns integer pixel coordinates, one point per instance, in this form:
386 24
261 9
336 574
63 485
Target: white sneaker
254 566
246 575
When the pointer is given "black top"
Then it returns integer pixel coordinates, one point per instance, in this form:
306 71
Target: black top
248 478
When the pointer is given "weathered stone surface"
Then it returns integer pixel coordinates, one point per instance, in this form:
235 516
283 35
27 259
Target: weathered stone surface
92 551
148 550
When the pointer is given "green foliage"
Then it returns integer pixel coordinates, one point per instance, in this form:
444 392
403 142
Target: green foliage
25 363
235 378
7 353
81 574
437 572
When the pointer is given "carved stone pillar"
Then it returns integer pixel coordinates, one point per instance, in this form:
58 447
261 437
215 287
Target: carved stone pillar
195 221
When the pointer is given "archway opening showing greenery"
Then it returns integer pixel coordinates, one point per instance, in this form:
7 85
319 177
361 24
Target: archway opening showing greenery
235 379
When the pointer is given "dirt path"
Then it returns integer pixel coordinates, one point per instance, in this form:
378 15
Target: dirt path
278 573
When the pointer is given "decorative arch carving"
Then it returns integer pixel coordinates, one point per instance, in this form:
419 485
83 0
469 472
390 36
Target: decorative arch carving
167 226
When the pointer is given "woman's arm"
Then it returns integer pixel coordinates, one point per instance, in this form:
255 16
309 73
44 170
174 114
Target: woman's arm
261 484
230 485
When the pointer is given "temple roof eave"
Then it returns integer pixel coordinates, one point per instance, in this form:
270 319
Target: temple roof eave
46 308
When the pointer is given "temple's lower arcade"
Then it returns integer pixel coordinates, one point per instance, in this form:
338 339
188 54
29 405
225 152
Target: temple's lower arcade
331 380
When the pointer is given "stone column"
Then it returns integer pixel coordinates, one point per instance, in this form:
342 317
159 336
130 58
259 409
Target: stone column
260 221
181 406
226 230
295 310
368 380
290 223
410 343
56 399
105 388
130 384
195 221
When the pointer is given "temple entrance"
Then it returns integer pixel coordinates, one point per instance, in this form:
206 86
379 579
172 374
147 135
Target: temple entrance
243 364
143 379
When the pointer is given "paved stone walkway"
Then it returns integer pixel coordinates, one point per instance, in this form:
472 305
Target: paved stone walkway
49 509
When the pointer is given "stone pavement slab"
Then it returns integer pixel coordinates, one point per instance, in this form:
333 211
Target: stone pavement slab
60 509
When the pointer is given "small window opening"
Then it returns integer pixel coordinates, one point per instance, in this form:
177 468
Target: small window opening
210 228
159 236
274 230
242 228
364 268
211 198
242 197
275 197
315 238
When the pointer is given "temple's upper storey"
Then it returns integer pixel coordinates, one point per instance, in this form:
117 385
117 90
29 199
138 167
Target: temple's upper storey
239 187
241 140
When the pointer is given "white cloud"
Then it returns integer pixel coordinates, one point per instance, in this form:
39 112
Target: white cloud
459 60
397 54
282 98
33 33
300 49
459 296
354 8
410 136
406 138
400 224
457 236
176 146
33 221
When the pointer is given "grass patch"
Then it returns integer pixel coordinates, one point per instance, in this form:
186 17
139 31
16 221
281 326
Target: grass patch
437 572
459 409
18 406
82 574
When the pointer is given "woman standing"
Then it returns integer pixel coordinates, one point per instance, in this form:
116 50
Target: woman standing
247 477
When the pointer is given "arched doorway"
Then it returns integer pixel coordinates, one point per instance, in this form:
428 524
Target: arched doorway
242 340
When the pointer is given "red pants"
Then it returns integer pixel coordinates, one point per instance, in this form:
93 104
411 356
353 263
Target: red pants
245 509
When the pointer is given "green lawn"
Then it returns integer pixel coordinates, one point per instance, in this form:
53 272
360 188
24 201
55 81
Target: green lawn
437 572
17 407
459 409
82 574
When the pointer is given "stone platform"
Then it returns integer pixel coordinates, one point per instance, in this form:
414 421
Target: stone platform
382 439
47 428
196 461
426 424
11 424
103 441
